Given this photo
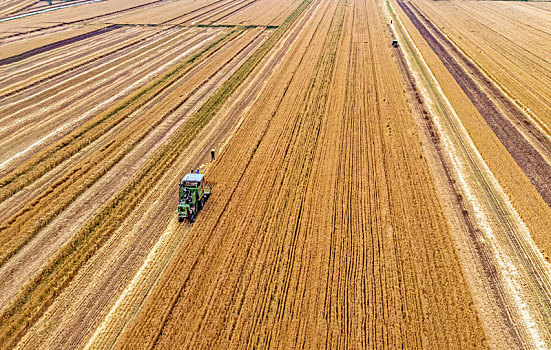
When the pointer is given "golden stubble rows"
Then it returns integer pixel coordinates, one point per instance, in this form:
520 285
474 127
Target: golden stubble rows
324 230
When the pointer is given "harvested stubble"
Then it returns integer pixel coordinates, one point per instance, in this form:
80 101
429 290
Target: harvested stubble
21 227
52 156
338 240
509 41
38 294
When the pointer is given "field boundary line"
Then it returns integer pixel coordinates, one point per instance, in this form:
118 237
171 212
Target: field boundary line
533 117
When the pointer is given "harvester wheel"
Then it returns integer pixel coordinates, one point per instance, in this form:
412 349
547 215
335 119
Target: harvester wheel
202 203
180 219
192 218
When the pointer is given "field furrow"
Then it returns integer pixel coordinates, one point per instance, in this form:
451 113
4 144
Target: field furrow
501 242
129 244
97 230
528 145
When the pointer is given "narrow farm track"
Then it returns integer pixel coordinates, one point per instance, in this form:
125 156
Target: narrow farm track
290 267
75 100
19 228
517 60
129 302
100 14
113 267
364 195
11 7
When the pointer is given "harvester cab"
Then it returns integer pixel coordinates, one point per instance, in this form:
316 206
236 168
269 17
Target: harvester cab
192 195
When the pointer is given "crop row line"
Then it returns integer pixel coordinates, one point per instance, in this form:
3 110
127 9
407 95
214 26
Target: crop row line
81 20
57 44
294 136
110 27
151 59
13 90
249 26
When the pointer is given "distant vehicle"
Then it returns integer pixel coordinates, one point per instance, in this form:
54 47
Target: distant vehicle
192 195
394 43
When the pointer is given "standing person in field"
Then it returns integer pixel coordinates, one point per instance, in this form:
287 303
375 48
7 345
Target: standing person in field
212 155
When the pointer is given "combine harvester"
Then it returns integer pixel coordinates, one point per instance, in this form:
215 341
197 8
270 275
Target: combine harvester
193 192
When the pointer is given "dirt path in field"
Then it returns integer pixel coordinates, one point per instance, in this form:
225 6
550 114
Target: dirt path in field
98 13
509 276
323 230
11 7
93 167
76 97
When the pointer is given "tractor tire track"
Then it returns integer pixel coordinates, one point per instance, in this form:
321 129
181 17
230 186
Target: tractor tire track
25 123
78 212
73 183
81 20
131 300
252 272
89 288
96 231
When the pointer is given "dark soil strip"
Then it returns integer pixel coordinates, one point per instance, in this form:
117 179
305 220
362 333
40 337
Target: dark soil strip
21 12
57 44
526 156
495 94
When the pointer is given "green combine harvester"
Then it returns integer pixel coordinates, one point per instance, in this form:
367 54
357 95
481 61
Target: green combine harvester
192 195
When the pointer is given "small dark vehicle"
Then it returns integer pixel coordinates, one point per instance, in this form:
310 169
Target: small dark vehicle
192 195
394 43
